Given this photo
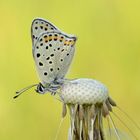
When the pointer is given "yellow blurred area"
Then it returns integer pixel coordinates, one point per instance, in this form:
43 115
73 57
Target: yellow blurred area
108 49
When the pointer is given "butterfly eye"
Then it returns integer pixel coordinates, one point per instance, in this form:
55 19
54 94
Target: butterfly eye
40 88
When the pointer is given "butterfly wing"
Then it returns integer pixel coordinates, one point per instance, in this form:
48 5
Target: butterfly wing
65 56
39 26
49 49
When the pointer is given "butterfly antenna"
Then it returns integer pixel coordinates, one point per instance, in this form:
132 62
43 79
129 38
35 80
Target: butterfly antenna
114 126
132 120
125 125
23 90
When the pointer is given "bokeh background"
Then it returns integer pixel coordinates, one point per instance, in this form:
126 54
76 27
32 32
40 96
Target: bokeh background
108 49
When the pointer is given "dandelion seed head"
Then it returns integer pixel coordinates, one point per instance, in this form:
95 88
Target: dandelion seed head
84 91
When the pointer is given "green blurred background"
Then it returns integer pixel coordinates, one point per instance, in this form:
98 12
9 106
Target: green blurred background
108 49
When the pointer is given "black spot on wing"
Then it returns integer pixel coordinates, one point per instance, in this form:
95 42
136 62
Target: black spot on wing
40 64
36 27
45 73
62 50
41 27
47 58
50 62
50 39
52 55
38 54
41 44
50 45
33 36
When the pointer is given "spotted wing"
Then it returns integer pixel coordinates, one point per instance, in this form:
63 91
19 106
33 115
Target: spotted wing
39 26
65 56
53 53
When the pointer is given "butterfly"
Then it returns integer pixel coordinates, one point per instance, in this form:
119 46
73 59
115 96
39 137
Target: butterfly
53 51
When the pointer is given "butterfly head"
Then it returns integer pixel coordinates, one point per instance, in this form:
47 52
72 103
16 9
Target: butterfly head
40 89
49 87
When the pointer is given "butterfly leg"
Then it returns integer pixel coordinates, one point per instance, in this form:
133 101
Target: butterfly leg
52 91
